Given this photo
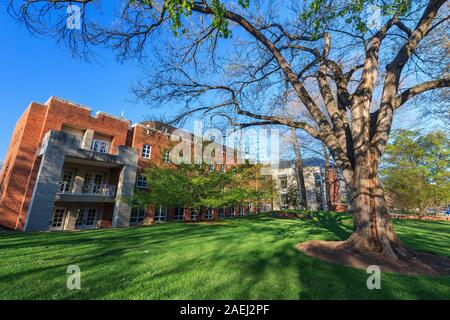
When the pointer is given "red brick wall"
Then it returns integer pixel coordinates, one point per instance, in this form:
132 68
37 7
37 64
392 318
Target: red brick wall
60 112
21 167
107 216
21 158
37 120
157 140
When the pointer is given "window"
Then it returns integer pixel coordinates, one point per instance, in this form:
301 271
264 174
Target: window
284 201
283 183
92 183
232 211
66 181
87 183
141 181
166 156
222 168
146 151
86 219
194 215
241 210
222 213
161 214
58 219
209 214
178 214
98 180
318 180
137 216
212 167
100 146
91 217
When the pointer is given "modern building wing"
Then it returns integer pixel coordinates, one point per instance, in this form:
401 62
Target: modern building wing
325 190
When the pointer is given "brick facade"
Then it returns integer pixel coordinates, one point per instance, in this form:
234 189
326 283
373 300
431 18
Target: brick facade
73 126
21 167
22 164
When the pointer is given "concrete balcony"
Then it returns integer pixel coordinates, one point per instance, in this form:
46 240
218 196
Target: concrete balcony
75 147
91 189
88 193
61 148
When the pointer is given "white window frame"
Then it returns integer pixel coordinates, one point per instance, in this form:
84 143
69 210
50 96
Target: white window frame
283 181
146 151
176 214
194 213
100 146
94 179
59 223
160 214
209 214
141 181
67 181
166 156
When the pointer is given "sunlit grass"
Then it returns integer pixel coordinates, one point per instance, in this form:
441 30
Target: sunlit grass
249 258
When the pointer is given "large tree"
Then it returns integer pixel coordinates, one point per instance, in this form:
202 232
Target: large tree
350 70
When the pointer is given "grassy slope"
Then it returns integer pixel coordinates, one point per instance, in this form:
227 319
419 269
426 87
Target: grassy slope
251 258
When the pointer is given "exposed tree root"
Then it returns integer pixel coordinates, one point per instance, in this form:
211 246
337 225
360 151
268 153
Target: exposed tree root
413 263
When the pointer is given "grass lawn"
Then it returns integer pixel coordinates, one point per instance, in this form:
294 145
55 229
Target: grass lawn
248 258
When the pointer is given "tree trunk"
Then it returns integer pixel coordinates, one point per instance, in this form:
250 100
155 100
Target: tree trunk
299 170
373 231
330 206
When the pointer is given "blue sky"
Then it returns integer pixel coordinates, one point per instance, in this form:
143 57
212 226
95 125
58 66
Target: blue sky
35 68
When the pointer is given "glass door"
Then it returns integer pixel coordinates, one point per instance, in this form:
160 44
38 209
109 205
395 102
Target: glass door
58 219
87 219
93 183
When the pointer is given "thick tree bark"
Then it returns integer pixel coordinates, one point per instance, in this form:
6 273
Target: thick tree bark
373 231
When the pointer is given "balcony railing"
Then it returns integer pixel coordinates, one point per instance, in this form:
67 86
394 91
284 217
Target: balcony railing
91 189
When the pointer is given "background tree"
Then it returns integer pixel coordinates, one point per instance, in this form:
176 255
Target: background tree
196 186
236 61
416 170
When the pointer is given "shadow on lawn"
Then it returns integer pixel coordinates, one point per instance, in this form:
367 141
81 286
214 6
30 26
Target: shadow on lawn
322 280
254 258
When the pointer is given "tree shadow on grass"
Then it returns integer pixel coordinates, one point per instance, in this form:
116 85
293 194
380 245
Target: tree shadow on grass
247 259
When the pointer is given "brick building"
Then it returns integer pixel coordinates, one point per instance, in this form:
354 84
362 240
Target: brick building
68 169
